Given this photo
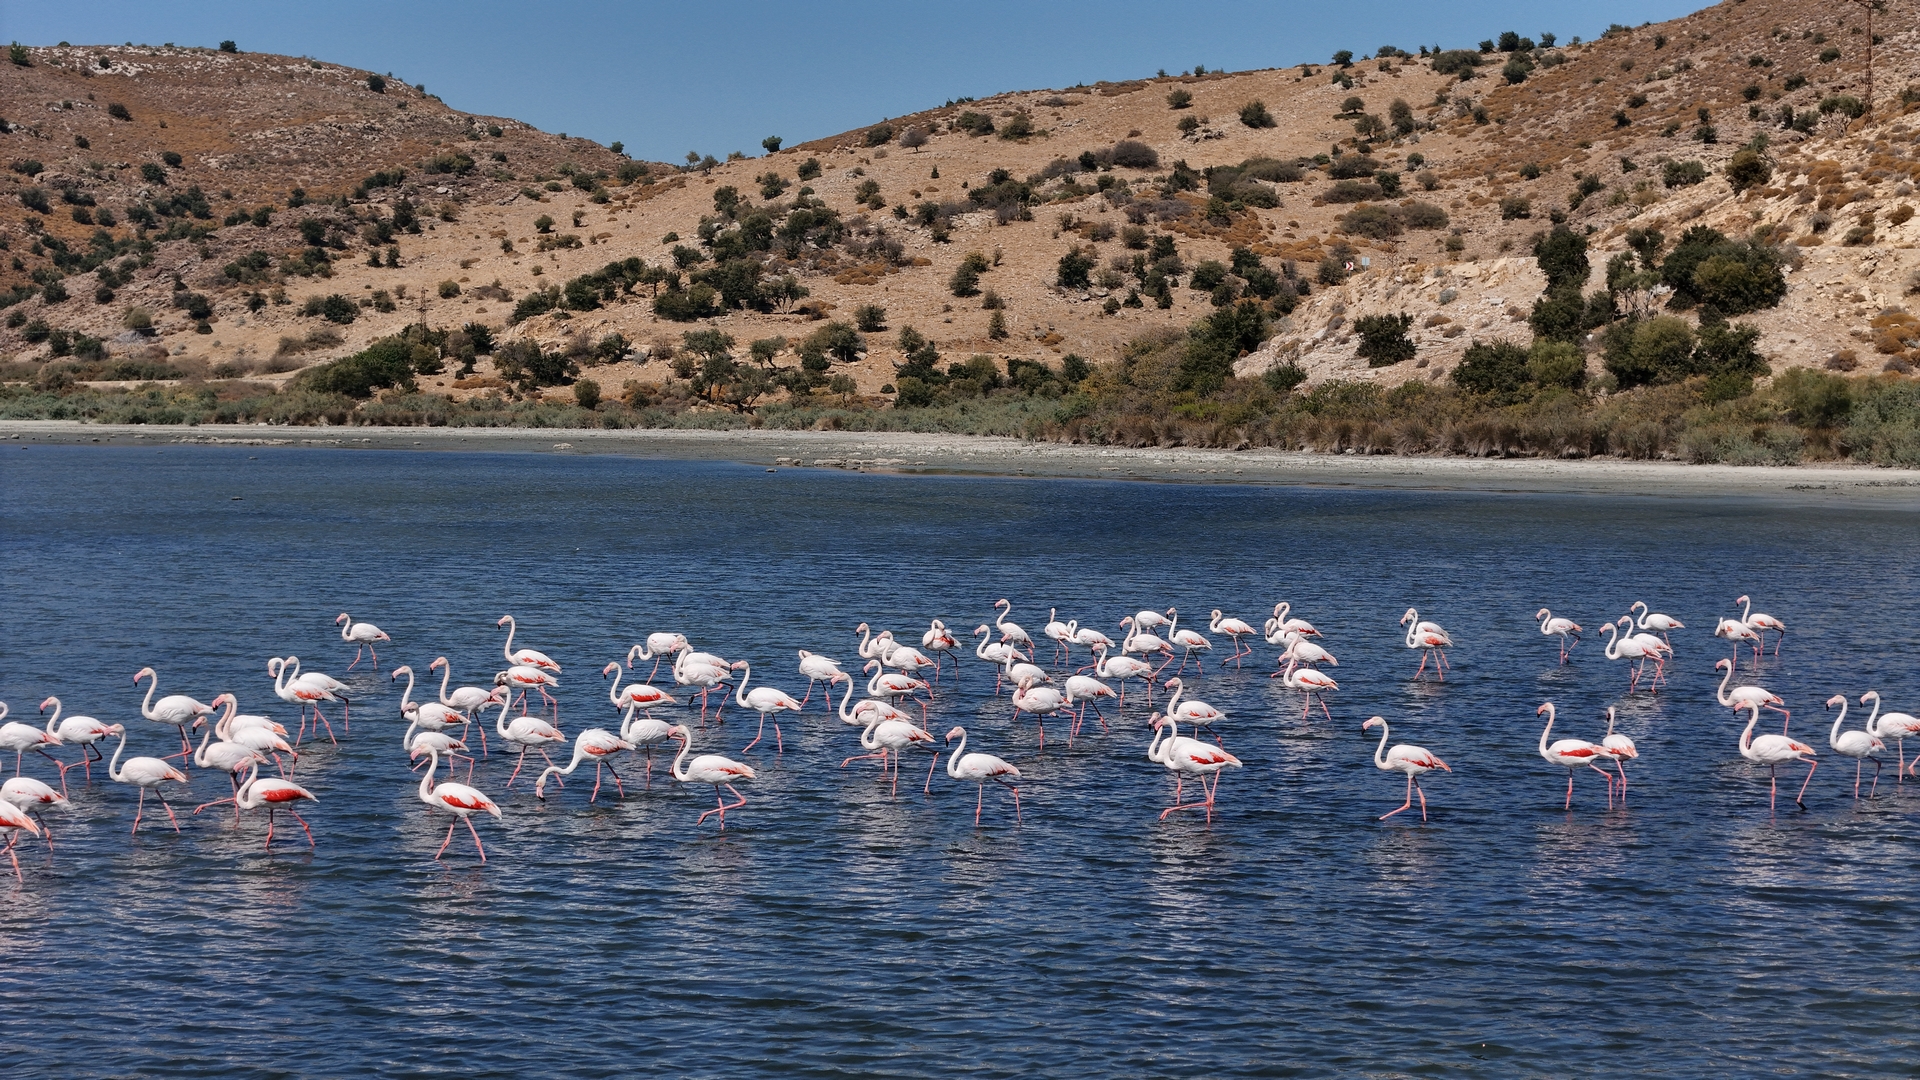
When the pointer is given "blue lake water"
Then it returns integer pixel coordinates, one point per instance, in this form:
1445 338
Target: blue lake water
833 930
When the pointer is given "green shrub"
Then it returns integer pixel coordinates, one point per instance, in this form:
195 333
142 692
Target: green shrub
1556 364
1748 168
1353 191
377 84
332 307
1378 221
1425 215
809 169
870 318
35 199
119 112
1019 126
1497 369
386 363
1216 341
18 54
1384 339
1562 256
1075 270
1179 99
1254 114
1649 351
586 394
1515 207
449 290
965 280
879 135
1677 174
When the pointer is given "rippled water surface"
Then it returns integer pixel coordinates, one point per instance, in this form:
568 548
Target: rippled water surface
836 930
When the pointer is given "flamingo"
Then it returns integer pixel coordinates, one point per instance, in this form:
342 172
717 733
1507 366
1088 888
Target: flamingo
34 798
464 698
1550 626
297 690
1740 696
643 695
1084 690
1570 754
1195 712
524 677
1626 648
256 733
1010 631
435 742
1430 639
766 701
524 657
1857 745
980 768
1151 620
1621 749
892 685
20 738
430 715
1896 725
1235 629
1774 751
1187 640
644 732
81 731
145 773
1415 761
1657 649
1041 701
1736 632
939 641
705 676
1062 635
259 791
228 757
818 669
1189 757
459 800
710 769
596 744
884 737
528 733
360 635
330 689
174 710
1762 622
1280 623
996 653
1138 640
909 660
857 717
1305 653
872 646
657 645
1090 639
1120 669
13 819
1653 620
1311 682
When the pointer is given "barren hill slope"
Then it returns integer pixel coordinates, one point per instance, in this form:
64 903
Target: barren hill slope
1600 135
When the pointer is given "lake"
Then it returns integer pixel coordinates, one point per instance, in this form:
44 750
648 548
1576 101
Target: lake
834 929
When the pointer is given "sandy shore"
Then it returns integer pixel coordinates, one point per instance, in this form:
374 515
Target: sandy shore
975 455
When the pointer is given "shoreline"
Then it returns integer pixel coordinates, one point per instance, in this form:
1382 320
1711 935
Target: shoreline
978 455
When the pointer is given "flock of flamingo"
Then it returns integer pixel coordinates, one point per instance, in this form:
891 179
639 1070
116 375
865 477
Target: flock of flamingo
891 719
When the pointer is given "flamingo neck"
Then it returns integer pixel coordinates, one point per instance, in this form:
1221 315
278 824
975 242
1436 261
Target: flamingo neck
1380 752
740 692
1544 620
1746 735
346 627
1747 610
426 782
507 649
407 693
613 692
446 674
113 767
1873 717
1179 688
146 704
869 735
679 769
844 698
406 739
245 798
1722 694
1612 651
51 720
1546 730
953 756
1154 747
200 752
500 722
1833 737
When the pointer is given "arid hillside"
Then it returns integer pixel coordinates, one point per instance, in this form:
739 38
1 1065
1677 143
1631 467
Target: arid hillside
193 214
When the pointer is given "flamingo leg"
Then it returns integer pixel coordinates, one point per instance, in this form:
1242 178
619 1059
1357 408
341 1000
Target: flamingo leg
882 755
1569 804
617 785
477 846
11 840
303 825
978 796
1622 766
1783 712
516 767
723 806
1802 797
169 809
1423 664
1423 800
1408 803
451 825
356 660
1323 708
1603 776
928 789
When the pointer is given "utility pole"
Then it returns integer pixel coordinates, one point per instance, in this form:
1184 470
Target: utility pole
1870 7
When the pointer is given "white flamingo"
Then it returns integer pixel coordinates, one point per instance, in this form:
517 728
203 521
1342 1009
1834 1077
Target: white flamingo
1189 758
596 745
1897 726
1774 751
361 636
710 769
766 701
1235 629
981 768
82 731
524 657
145 773
1415 761
1858 745
1430 639
175 710
1551 625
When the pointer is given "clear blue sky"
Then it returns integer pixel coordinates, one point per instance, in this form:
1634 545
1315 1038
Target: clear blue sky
715 77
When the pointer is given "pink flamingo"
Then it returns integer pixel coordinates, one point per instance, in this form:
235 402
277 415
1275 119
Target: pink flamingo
1620 749
764 700
893 685
1084 690
1736 632
436 742
643 695
1550 626
256 733
1235 629
1305 653
528 733
1897 726
1010 632
1120 669
360 635
1061 634
1741 696
303 690
467 699
1626 647
145 773
1762 622
819 669
459 800
431 715
645 733
174 710
1280 624
710 769
34 798
275 795
1653 620
704 676
1430 639
597 745
1858 745
20 738
940 642
81 731
1310 681
886 738
1041 701
524 677
1571 754
13 819
657 646
1415 761
1189 757
1138 640
228 757
1774 751
1187 641
1195 712
524 657
981 768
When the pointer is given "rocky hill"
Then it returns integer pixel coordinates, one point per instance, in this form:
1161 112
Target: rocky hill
237 216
